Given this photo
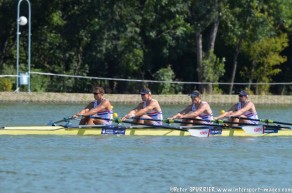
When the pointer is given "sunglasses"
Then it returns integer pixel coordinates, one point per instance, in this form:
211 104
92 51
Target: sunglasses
96 93
241 95
142 94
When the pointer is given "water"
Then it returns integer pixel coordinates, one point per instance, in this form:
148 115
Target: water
137 164
41 114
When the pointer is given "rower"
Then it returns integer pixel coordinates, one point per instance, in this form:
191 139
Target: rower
243 109
198 111
146 112
96 112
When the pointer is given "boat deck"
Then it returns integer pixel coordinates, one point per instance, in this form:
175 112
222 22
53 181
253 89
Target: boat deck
134 131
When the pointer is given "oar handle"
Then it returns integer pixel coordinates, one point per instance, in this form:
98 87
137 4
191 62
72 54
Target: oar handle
260 120
170 121
230 122
119 120
245 118
148 119
155 126
267 121
203 124
106 119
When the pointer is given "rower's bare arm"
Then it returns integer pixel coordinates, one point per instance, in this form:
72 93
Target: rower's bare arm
132 113
244 109
151 106
86 109
226 114
199 111
183 112
104 105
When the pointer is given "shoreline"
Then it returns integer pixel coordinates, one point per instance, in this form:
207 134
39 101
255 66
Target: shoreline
50 97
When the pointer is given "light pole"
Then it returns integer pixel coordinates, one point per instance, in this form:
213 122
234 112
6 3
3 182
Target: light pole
22 21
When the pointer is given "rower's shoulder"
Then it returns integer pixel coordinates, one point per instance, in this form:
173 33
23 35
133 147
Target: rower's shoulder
154 101
250 103
205 103
106 101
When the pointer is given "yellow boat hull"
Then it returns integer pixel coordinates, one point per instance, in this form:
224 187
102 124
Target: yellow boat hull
59 130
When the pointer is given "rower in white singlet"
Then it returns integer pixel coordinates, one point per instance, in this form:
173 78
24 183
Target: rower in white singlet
147 112
96 112
197 112
243 109
105 114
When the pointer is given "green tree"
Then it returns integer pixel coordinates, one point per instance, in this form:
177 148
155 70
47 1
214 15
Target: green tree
205 18
213 69
248 21
135 39
166 74
7 33
6 84
265 58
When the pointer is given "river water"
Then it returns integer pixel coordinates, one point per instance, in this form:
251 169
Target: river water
139 164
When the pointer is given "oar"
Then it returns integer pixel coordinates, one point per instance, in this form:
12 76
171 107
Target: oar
199 131
51 123
263 120
251 129
215 121
218 122
195 130
169 121
112 129
119 120
228 122
247 127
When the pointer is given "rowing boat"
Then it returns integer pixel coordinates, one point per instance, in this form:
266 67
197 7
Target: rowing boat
131 130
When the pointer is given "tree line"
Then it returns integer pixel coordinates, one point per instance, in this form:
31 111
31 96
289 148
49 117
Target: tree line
207 41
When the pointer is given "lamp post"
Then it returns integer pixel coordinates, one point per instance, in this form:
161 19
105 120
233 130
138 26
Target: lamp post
22 21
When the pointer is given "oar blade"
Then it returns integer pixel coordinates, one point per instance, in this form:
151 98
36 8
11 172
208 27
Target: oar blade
254 129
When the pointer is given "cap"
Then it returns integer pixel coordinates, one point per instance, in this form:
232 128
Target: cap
145 91
243 93
195 93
